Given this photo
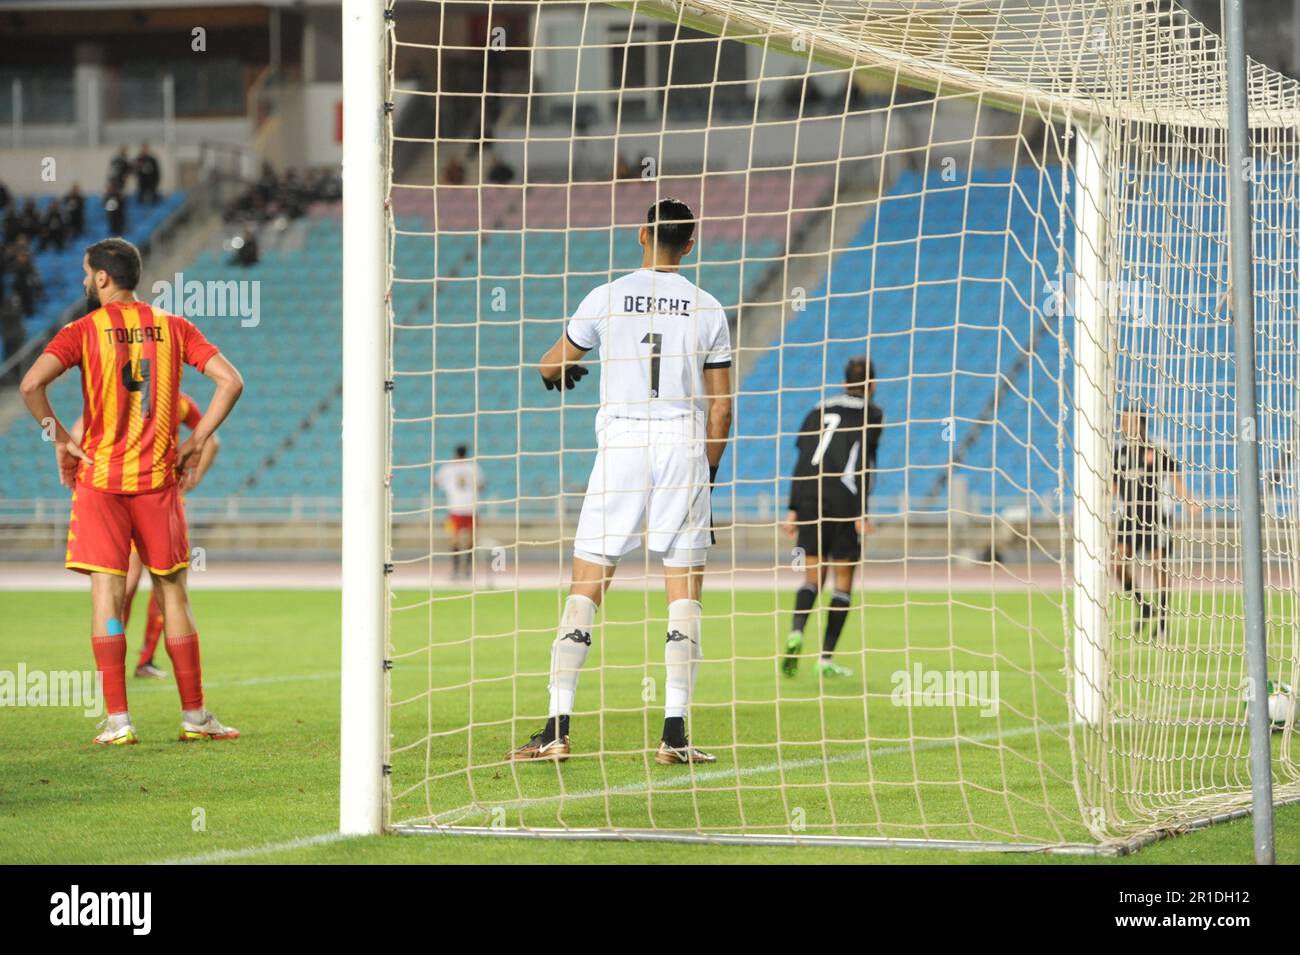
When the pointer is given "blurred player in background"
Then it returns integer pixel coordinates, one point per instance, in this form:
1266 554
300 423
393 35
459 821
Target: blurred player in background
461 481
1141 470
829 491
127 472
189 415
665 416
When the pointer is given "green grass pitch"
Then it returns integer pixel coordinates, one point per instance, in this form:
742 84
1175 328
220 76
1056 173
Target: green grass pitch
271 664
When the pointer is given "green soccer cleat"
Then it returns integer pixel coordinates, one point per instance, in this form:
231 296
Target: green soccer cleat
832 669
793 647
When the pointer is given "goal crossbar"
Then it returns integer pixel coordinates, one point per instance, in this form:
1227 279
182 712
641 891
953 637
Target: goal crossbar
1061 74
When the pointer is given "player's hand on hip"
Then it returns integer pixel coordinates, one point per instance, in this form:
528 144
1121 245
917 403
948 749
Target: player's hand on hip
863 526
187 459
788 525
69 456
569 377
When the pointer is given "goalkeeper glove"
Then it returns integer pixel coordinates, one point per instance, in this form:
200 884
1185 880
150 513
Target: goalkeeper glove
571 376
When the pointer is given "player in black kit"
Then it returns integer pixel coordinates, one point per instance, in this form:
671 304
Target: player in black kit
1140 471
828 505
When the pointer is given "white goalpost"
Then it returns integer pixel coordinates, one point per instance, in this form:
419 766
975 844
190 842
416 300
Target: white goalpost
365 448
1020 212
1092 432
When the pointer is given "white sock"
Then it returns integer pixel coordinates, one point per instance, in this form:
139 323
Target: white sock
569 652
682 654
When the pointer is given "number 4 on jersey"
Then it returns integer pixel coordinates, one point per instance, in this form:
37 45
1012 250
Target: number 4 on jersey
131 382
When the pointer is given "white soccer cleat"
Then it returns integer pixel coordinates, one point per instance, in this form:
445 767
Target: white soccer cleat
678 755
211 728
122 734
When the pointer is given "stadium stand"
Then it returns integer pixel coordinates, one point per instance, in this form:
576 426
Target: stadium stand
283 440
60 270
479 389
935 249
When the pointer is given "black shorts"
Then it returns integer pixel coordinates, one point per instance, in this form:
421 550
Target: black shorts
1143 534
832 538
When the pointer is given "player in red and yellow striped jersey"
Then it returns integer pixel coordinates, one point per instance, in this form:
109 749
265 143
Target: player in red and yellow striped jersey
190 414
127 472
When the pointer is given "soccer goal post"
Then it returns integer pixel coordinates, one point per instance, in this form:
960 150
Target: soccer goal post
1032 635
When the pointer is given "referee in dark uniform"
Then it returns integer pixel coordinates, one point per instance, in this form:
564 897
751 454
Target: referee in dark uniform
1140 471
828 505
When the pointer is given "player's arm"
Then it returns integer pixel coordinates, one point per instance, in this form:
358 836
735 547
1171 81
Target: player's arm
872 424
806 444
67 452
206 458
717 387
1189 504
191 420
717 428
230 385
561 362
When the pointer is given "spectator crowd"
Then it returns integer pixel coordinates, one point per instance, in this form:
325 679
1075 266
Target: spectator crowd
26 228
274 200
275 196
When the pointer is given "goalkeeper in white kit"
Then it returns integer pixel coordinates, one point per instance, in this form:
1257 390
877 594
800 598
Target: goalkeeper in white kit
662 428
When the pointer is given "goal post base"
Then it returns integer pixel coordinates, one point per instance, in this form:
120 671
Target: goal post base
1129 846
1112 849
753 839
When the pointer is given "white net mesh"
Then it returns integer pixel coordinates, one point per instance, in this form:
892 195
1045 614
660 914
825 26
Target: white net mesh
1015 210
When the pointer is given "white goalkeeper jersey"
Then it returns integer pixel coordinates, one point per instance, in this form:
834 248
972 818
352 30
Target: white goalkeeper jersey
657 332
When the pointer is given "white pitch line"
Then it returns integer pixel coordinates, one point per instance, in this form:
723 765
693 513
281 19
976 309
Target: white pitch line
712 775
328 838
268 848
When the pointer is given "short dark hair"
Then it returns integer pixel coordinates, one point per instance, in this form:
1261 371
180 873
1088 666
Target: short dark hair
672 222
859 371
462 450
119 258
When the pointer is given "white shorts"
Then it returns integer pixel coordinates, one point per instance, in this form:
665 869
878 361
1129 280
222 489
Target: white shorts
651 481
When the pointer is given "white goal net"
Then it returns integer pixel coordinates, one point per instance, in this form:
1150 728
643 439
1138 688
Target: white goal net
1016 212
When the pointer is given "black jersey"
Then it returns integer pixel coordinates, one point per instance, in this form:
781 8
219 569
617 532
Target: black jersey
1140 473
837 457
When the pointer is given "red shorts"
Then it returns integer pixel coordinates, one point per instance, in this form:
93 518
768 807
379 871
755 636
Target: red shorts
459 522
103 527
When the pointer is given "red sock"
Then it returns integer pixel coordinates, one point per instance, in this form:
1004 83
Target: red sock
184 652
110 661
153 628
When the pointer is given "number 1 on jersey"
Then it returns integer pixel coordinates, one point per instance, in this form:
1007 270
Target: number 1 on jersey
655 341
